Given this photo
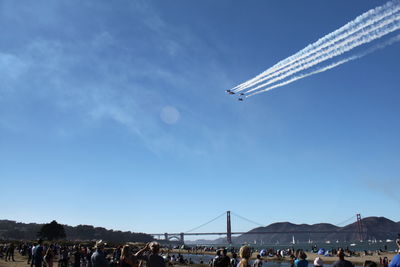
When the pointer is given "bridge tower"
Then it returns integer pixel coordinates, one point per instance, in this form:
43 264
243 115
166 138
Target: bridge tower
360 227
228 227
182 238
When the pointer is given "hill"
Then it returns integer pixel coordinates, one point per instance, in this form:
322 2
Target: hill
379 228
12 230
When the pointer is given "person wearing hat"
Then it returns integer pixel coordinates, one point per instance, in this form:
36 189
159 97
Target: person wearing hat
152 258
318 262
396 259
98 258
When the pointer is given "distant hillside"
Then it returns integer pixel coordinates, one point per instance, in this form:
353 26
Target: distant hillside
12 230
286 237
379 228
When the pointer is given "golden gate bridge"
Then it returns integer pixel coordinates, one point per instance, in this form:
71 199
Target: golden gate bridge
360 230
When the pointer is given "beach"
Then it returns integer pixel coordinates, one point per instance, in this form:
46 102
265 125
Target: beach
356 260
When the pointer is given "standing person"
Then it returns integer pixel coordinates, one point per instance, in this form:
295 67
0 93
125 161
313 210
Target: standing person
32 251
127 259
258 262
342 262
64 257
244 254
29 252
234 261
39 253
301 261
152 259
217 258
77 257
89 253
225 260
10 252
98 258
396 259
49 256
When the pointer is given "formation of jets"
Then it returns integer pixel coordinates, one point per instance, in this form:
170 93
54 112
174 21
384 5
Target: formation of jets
232 93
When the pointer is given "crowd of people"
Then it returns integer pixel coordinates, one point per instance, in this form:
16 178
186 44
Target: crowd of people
100 255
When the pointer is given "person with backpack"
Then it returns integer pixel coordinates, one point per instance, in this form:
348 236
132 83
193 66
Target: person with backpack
234 261
217 258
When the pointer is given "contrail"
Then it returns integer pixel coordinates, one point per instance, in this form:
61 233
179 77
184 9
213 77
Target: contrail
366 28
375 32
337 49
332 65
363 40
368 18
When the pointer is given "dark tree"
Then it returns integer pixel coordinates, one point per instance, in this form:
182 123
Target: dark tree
52 231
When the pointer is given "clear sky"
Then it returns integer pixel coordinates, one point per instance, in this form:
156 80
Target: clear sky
114 113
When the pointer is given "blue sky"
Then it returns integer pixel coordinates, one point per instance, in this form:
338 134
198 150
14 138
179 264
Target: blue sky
113 113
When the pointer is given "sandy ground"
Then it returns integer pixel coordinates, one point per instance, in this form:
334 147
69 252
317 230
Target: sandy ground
19 262
356 260
22 261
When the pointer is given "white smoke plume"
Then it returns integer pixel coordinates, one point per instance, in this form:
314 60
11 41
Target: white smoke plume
367 35
332 65
368 18
366 28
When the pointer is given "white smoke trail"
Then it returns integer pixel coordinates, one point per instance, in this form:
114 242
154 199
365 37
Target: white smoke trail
365 39
332 51
332 65
364 20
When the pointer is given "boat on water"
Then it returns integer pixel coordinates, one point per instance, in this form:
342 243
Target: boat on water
327 242
352 245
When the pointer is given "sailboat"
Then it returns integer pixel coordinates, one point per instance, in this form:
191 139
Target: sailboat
293 241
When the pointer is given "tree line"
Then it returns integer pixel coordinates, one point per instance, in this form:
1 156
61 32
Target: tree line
12 230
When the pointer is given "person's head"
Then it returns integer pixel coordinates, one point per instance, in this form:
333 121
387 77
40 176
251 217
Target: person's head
224 252
297 253
154 247
369 264
99 245
398 244
40 241
340 254
303 255
125 251
258 256
234 255
318 262
245 252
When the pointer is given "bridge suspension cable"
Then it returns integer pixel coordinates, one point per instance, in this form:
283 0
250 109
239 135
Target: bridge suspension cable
353 218
248 220
204 224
